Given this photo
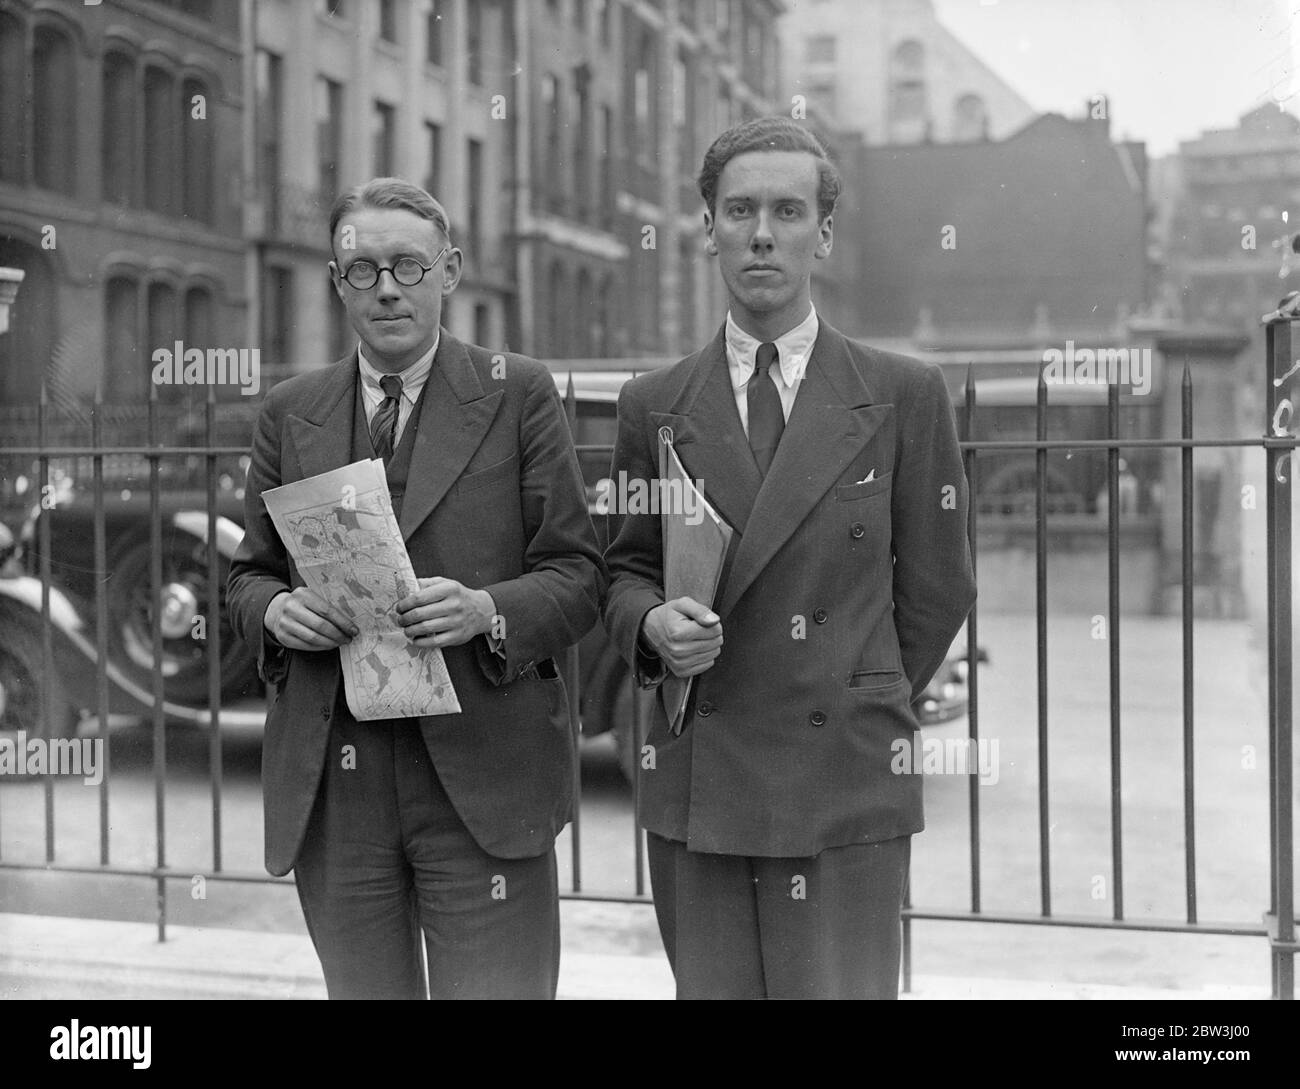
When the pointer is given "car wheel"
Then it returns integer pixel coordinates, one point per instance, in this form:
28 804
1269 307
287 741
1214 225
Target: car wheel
25 705
184 661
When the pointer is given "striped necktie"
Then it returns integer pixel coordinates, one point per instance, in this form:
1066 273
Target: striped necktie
383 428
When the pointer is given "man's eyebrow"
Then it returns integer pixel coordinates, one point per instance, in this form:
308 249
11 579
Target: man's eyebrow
735 198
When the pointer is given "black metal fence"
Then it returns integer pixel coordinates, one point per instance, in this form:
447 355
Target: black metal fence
1276 445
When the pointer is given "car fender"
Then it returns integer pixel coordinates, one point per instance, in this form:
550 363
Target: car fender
27 591
195 523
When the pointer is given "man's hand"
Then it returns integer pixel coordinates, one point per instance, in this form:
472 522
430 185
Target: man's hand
301 620
685 634
443 613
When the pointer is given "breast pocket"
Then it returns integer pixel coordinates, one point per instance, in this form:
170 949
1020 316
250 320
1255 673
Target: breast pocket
493 474
864 489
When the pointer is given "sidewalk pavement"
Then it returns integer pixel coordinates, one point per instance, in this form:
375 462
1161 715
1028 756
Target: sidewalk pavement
43 956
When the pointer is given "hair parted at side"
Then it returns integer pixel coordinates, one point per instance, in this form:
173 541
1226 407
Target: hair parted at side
770 134
390 193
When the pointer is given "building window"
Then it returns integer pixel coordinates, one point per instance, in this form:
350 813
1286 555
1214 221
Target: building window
435 27
388 20
820 49
580 15
164 329
160 141
560 306
907 104
603 20
382 125
482 325
551 183
433 144
585 314
200 329
13 98
278 308
607 137
970 119
117 130
197 164
54 111
124 377
582 140
474 207
270 113
474 44
329 137
684 108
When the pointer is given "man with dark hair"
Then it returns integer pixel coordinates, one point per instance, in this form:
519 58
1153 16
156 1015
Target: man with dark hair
428 837
778 836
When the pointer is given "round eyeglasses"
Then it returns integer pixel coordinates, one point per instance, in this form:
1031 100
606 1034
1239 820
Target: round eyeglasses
407 271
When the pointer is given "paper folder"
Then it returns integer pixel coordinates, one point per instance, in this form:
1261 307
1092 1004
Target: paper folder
693 555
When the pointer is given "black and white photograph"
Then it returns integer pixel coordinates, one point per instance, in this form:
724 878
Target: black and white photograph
625 500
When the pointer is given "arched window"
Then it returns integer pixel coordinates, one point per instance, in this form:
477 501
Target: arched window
907 98
34 324
125 377
199 328
117 130
196 141
164 330
13 99
970 119
54 111
160 141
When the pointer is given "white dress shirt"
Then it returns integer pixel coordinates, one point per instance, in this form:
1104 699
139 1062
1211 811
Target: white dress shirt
794 351
413 379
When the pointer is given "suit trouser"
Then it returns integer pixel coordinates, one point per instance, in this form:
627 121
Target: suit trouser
386 858
744 927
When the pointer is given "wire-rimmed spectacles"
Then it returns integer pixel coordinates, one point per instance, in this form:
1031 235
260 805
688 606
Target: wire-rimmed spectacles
407 271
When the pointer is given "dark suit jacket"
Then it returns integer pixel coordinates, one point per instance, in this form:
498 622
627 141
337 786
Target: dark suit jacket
494 499
841 598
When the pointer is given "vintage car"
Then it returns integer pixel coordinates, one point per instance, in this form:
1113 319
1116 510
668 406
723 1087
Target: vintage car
190 570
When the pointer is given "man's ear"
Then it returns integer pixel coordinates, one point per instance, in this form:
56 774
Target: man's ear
452 270
336 278
825 232
710 246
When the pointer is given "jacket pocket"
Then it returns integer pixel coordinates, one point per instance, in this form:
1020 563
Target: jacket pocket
864 489
865 680
502 470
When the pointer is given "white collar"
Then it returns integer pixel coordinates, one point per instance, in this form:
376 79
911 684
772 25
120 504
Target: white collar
794 349
413 378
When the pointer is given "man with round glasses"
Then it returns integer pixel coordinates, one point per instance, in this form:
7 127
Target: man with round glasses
429 837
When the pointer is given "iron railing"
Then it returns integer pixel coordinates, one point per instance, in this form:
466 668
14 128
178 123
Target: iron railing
1277 446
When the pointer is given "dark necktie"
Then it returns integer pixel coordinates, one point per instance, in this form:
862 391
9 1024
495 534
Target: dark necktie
383 428
766 420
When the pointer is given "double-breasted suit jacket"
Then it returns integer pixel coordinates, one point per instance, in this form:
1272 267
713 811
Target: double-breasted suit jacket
494 499
848 578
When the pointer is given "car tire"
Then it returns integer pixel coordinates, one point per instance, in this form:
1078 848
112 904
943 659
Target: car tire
25 704
185 588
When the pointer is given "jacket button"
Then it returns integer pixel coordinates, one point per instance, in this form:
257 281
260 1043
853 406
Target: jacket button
325 713
704 708
858 529
819 616
818 718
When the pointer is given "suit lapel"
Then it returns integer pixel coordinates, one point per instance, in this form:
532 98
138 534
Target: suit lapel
832 419
710 439
322 428
455 417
